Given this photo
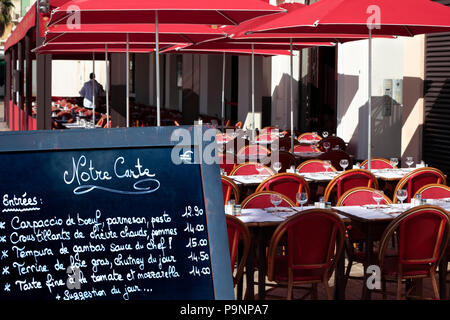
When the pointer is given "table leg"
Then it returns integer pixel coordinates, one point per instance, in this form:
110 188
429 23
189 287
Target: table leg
369 254
339 275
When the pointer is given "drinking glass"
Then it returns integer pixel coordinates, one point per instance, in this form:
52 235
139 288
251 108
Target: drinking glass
259 167
302 198
378 195
394 162
275 199
409 161
402 194
277 166
327 146
344 164
325 134
326 164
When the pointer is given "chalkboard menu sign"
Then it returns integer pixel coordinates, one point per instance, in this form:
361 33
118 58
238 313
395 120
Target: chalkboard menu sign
129 213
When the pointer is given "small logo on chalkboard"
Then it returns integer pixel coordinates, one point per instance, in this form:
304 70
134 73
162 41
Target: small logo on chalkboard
187 156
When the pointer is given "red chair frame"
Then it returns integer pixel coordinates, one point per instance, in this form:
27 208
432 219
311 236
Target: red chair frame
229 188
247 203
426 190
238 168
275 182
237 233
302 167
377 163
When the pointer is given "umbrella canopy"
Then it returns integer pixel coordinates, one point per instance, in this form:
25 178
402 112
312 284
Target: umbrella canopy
190 49
216 12
54 48
138 33
396 18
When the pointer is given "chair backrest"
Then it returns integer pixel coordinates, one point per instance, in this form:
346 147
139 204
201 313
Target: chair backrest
254 150
284 143
267 136
230 190
360 196
418 178
335 156
377 163
434 191
423 234
238 234
287 184
313 165
249 168
304 148
334 141
315 240
223 137
261 199
348 180
286 159
238 125
227 162
309 136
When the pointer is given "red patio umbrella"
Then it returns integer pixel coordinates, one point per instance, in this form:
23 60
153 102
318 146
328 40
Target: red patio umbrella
214 12
363 17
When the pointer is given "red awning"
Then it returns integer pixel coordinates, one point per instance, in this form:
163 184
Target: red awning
28 22
189 50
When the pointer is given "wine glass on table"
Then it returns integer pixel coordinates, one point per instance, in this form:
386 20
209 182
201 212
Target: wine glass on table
326 145
378 195
277 166
409 162
302 198
344 164
394 162
327 164
402 194
275 199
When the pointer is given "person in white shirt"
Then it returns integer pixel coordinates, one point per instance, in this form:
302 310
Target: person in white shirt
88 93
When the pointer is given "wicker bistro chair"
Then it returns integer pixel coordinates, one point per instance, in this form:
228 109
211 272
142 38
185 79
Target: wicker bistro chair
309 136
377 163
313 165
313 241
434 191
238 237
418 178
230 190
249 168
261 200
287 184
423 234
355 237
348 180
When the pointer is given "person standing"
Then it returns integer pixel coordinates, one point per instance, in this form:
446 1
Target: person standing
91 90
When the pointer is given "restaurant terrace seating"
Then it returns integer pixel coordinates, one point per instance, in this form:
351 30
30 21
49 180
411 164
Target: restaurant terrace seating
304 148
309 136
253 152
267 136
288 184
249 168
377 163
238 238
313 165
261 199
313 241
418 178
335 156
286 159
434 191
423 234
230 190
348 180
334 142
227 162
355 236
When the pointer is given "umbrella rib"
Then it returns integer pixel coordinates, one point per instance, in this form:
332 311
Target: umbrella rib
409 31
186 38
227 17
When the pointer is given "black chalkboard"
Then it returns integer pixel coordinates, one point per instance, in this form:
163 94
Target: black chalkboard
127 214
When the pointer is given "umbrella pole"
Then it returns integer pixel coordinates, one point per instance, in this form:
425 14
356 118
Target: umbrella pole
369 126
223 92
93 89
292 97
253 93
128 81
107 85
158 100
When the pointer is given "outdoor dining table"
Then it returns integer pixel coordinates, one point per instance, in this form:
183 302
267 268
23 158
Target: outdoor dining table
370 219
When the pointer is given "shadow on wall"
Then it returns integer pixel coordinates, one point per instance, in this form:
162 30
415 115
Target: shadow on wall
386 128
281 102
348 86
